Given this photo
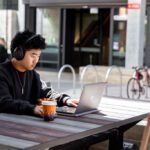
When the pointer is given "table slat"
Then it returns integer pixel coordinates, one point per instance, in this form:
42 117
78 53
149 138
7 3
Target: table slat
16 142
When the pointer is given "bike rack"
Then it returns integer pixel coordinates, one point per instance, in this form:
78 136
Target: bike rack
108 73
83 73
146 91
73 72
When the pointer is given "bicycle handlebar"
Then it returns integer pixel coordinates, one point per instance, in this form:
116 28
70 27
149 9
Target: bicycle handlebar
140 68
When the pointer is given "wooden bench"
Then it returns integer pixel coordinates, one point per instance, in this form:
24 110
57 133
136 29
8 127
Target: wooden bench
146 135
134 106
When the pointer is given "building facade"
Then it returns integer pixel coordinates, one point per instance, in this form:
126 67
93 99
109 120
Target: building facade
98 32
81 32
12 17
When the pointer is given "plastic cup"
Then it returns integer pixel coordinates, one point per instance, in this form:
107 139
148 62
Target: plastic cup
49 110
42 99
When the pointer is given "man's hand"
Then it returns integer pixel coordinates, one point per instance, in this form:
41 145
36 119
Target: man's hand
38 110
72 102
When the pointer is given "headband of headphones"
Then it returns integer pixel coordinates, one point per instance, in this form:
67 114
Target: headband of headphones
31 38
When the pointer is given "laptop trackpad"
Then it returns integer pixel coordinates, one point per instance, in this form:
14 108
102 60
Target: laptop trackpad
66 109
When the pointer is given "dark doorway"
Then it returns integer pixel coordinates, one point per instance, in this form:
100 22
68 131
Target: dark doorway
87 37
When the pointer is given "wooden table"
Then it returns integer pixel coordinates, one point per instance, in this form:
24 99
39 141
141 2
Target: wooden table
114 118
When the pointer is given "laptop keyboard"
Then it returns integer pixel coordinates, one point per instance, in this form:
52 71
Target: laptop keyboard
66 109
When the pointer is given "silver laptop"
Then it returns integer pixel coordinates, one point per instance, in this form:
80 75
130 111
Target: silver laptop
88 102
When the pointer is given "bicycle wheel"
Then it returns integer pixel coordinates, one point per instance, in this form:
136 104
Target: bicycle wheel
133 89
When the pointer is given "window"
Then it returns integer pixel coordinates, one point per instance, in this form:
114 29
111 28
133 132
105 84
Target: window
50 30
12 19
119 36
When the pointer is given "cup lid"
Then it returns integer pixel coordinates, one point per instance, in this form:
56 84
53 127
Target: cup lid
49 103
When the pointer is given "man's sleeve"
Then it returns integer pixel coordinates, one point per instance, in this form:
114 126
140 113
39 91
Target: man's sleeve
50 93
10 105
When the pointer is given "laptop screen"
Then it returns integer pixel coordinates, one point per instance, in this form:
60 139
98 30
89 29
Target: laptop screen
90 96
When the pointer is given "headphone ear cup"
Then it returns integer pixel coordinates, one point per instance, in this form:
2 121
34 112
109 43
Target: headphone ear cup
18 53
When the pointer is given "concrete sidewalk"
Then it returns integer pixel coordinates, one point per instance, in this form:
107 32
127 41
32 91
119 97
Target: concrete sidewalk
114 88
66 83
66 80
90 74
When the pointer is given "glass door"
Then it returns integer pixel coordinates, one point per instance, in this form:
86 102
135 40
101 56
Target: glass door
119 36
50 29
87 37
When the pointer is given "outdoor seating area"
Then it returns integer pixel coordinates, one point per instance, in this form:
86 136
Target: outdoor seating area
131 135
75 75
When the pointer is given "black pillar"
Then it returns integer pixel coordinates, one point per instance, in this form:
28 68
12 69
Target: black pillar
30 18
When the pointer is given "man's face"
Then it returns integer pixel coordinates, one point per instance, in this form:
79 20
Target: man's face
30 59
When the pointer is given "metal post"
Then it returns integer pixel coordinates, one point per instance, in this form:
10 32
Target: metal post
60 73
120 73
83 73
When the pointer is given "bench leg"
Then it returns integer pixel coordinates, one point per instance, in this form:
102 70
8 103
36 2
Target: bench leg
146 135
116 140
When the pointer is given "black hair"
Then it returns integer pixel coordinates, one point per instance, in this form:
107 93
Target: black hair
24 40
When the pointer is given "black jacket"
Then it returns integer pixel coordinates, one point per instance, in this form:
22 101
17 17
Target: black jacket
3 54
11 98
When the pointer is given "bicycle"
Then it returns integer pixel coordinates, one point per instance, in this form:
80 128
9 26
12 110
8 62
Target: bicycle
136 85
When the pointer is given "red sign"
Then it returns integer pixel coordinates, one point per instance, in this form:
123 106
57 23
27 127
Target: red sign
134 6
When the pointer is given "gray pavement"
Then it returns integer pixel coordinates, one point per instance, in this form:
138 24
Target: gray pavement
66 85
66 80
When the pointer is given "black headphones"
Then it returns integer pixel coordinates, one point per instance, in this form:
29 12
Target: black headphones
19 52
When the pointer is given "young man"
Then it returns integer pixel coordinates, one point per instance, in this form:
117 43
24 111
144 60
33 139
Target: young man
20 84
